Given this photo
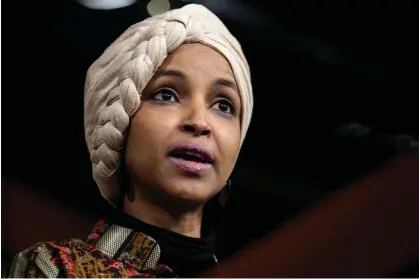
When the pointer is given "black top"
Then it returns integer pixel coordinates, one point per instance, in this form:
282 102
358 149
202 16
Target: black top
187 256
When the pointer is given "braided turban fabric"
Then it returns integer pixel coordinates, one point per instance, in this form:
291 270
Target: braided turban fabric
115 81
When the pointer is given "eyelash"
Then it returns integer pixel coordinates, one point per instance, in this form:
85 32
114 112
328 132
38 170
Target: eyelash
221 99
225 101
165 90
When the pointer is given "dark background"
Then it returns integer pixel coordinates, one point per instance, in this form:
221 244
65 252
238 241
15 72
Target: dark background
335 92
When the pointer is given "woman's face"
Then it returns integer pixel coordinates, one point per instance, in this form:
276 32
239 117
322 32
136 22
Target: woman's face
184 139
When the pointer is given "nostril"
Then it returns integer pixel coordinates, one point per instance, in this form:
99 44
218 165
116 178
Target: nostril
205 133
189 128
196 130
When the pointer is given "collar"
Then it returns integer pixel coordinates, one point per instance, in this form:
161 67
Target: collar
125 245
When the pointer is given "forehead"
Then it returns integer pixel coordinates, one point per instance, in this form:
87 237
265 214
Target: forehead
198 58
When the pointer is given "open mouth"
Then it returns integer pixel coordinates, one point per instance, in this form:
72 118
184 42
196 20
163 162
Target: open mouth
191 158
192 152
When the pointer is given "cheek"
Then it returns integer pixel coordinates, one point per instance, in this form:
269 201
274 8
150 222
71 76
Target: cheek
229 144
147 137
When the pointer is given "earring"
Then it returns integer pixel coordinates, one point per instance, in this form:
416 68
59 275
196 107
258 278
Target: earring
228 186
225 194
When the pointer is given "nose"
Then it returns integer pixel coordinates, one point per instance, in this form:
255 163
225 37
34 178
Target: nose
197 129
196 122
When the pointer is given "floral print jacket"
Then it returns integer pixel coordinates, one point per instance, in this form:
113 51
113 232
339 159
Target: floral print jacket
110 251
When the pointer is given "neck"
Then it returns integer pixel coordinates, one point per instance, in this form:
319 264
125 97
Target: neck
187 223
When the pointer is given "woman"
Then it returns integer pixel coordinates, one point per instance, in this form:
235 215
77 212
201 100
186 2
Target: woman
167 107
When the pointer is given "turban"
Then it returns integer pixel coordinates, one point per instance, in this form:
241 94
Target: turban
115 81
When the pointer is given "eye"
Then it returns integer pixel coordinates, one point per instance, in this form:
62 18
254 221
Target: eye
224 106
165 95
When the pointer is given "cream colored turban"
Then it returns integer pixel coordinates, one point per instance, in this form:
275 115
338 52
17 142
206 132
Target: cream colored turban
115 81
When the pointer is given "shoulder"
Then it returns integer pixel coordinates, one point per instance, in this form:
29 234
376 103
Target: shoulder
45 260
68 258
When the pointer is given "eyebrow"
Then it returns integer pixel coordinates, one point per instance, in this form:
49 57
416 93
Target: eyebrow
227 83
169 73
182 75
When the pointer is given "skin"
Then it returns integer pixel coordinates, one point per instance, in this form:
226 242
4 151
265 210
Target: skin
192 98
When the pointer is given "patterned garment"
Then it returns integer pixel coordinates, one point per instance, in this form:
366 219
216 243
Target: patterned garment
110 251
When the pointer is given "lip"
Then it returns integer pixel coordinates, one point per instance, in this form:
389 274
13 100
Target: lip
189 166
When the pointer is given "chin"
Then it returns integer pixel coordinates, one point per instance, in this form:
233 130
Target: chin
190 193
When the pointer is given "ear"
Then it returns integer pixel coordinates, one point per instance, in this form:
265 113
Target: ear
225 194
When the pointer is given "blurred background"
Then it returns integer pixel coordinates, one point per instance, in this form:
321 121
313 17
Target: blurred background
335 87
